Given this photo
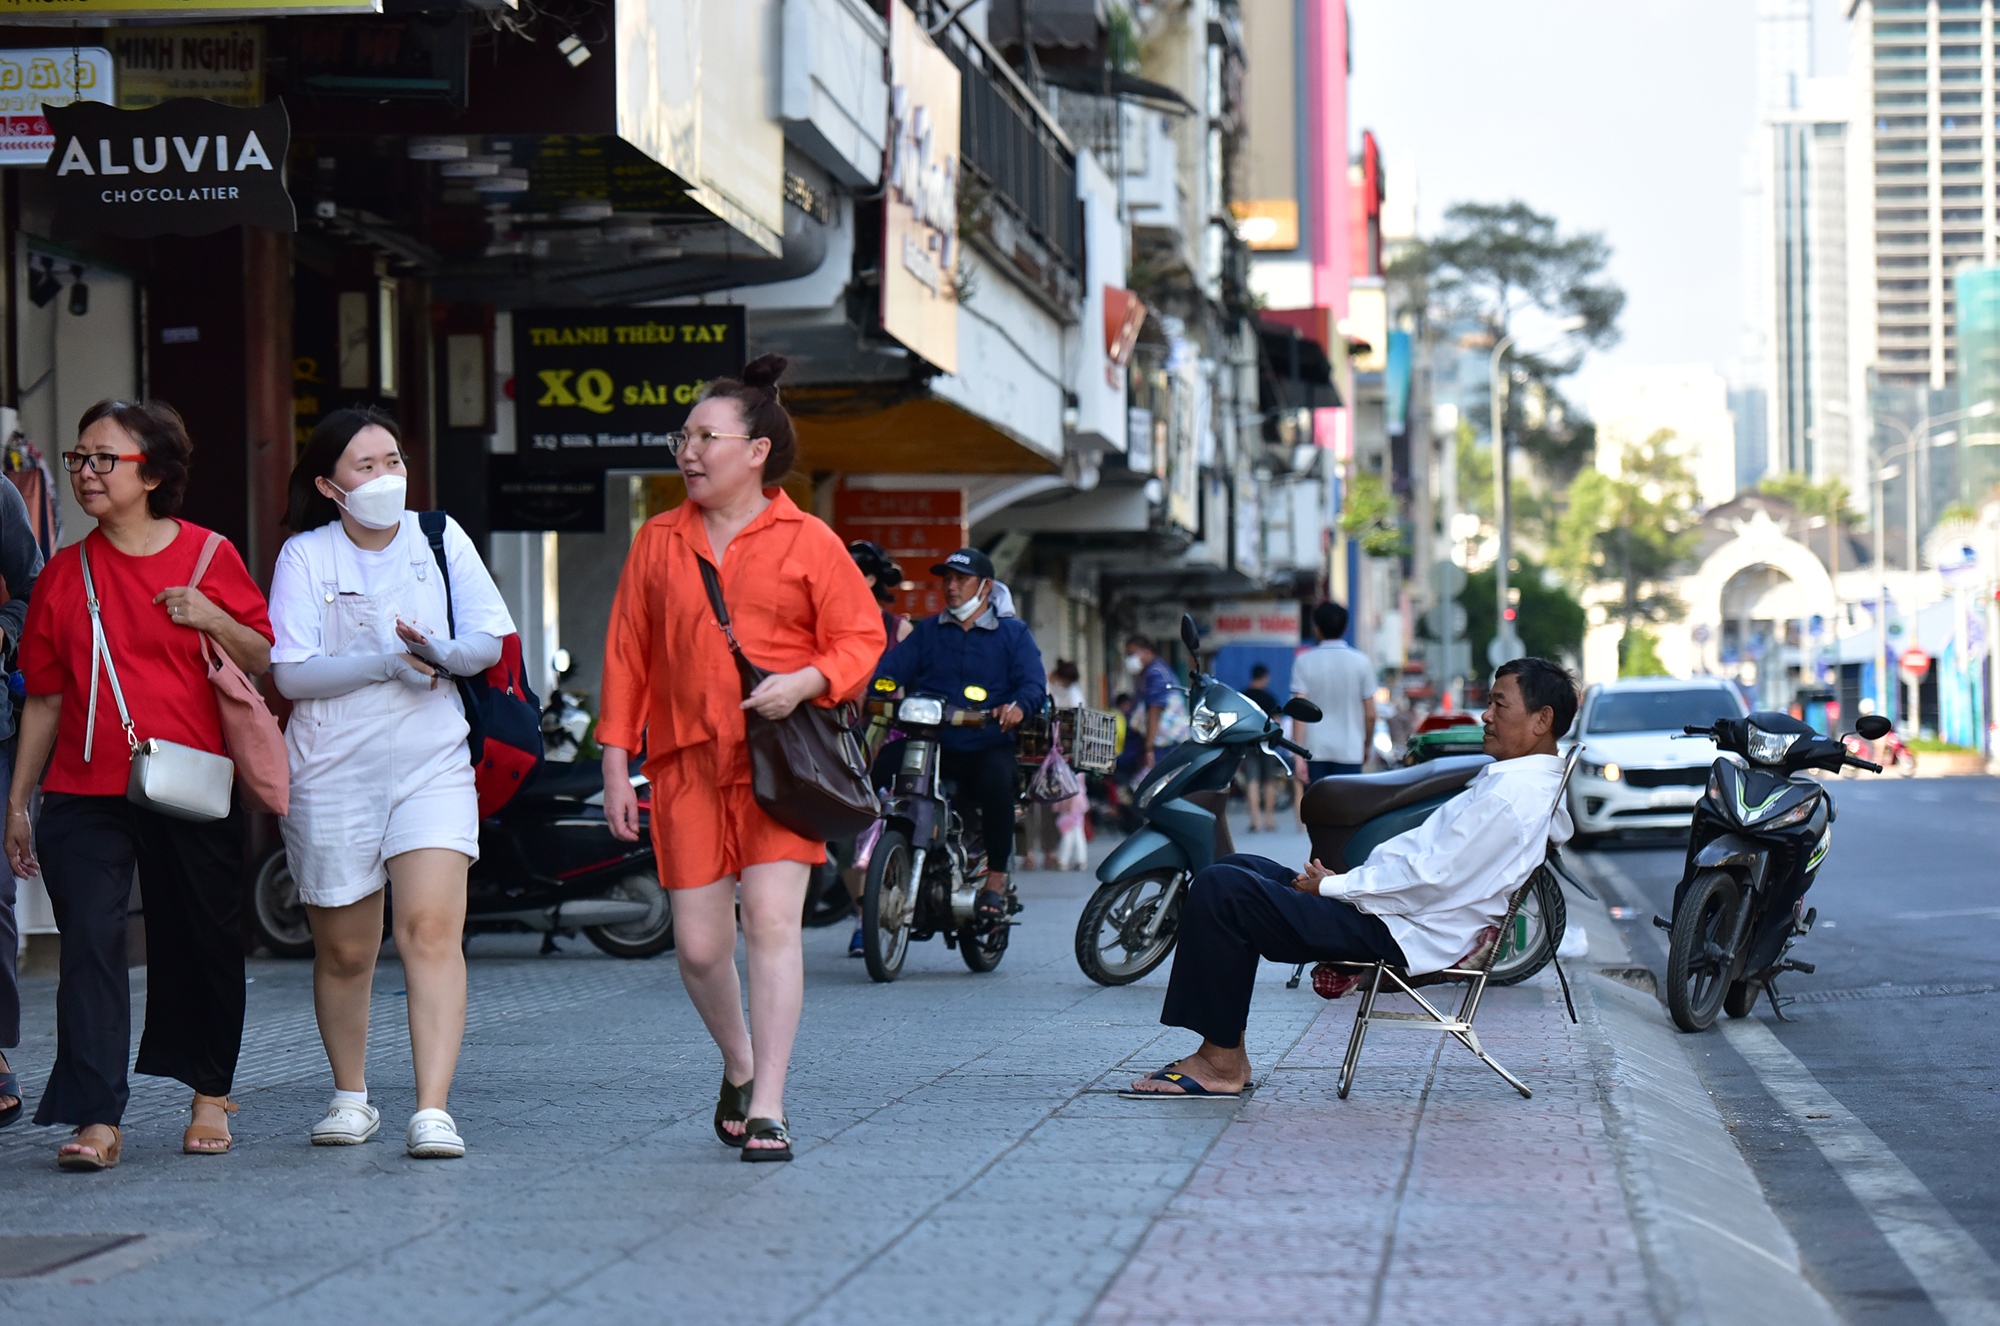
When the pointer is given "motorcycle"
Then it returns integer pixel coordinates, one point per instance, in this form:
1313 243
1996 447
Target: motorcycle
1760 834
1889 752
1130 925
547 863
924 867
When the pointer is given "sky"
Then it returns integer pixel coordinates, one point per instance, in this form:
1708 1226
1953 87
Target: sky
1627 117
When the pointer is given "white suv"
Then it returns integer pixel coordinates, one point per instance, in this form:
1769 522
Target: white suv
1633 774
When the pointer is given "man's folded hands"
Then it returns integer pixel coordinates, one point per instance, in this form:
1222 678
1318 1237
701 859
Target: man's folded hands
1307 880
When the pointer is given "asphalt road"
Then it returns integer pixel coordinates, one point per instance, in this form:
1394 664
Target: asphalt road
1900 1025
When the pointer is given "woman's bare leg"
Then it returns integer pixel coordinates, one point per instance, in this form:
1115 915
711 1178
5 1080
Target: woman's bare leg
773 897
345 943
705 947
430 931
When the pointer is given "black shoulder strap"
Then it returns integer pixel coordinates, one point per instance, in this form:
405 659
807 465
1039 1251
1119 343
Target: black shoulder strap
432 524
713 583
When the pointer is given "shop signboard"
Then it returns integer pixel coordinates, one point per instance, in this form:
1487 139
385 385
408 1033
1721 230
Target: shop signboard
517 499
66 12
1255 622
602 388
224 65
34 79
920 213
185 167
917 527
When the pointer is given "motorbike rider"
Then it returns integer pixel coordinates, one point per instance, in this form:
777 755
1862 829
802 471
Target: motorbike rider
972 656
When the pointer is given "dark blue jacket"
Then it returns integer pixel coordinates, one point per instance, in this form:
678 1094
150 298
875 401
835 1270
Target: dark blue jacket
942 658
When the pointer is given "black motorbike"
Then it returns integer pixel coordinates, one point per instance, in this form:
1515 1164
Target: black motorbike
925 867
1131 923
1760 833
547 863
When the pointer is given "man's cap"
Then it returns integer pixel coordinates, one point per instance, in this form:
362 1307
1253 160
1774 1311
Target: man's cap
966 562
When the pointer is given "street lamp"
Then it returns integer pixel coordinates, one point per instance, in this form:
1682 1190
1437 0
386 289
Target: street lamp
1915 438
1503 514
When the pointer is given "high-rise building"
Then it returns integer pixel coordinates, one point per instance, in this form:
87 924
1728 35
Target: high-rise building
1923 79
1808 374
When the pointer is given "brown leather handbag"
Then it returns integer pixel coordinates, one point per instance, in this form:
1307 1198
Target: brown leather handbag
807 769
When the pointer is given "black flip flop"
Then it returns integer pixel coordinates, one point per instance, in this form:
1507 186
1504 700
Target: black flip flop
10 1085
732 1106
777 1130
1189 1088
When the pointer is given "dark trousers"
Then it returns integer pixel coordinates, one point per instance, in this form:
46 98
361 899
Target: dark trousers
1318 769
989 780
10 932
191 877
1240 909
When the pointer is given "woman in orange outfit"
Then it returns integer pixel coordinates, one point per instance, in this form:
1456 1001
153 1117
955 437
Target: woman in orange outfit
801 611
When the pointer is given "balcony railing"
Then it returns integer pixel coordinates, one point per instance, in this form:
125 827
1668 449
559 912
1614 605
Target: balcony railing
1017 158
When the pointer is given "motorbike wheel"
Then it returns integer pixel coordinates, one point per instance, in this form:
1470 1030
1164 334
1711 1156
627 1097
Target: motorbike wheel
982 951
887 902
637 939
1697 981
1538 929
276 913
1741 1000
826 894
1111 943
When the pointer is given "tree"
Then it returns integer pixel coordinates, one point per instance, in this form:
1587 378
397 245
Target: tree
1369 515
1496 260
1549 618
1633 530
1829 502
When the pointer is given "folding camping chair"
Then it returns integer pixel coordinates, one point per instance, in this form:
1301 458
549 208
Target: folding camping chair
1471 970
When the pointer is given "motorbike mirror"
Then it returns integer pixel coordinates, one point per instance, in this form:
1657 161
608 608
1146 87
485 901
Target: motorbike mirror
560 661
1872 726
1303 709
1189 636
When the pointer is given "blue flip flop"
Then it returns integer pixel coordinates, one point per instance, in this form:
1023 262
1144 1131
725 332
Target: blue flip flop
1189 1088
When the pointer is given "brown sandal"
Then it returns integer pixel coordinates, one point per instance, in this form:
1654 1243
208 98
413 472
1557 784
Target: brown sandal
90 1156
201 1132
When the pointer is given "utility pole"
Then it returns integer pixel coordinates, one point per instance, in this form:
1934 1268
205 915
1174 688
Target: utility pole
1504 633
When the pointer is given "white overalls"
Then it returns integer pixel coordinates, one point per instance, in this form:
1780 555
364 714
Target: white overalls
384 769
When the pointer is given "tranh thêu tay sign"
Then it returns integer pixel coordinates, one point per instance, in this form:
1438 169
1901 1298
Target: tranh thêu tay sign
185 167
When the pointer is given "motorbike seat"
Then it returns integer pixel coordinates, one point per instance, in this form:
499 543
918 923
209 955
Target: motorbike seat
1347 800
559 781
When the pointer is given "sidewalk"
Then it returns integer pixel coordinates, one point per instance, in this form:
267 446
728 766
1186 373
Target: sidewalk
963 1156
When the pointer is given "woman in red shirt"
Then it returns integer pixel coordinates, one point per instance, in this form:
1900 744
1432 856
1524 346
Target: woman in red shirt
129 472
802 611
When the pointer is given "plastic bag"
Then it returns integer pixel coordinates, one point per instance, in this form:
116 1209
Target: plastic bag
1055 780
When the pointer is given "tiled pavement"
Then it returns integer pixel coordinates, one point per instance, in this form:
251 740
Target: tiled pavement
963 1157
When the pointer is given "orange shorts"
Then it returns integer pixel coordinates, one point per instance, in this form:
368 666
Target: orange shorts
706 822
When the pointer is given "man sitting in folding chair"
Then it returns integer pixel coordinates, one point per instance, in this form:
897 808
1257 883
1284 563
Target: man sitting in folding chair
1419 902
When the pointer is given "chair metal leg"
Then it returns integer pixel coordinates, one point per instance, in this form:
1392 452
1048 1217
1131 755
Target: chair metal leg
1360 1032
1297 971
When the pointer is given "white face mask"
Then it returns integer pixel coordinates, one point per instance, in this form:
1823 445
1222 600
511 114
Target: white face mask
1132 664
377 504
969 609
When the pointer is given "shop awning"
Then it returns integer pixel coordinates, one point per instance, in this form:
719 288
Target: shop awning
855 432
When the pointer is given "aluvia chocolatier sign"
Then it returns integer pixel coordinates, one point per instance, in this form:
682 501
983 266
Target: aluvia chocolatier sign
184 167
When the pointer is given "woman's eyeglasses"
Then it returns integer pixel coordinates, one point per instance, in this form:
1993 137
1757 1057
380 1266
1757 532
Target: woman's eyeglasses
681 439
100 462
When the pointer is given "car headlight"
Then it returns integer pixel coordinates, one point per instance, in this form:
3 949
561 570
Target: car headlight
1770 747
922 710
1610 773
1206 724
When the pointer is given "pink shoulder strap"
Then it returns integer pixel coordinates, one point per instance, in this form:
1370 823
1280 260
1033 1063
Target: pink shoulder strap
207 552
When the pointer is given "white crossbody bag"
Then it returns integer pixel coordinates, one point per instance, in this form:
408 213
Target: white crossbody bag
173 779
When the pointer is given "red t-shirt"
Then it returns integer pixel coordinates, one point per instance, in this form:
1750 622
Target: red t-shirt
159 664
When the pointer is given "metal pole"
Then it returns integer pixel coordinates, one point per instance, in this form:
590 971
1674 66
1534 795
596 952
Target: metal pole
1882 596
1503 541
1448 501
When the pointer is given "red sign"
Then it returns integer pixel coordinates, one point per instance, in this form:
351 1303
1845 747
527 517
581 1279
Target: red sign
917 527
1915 660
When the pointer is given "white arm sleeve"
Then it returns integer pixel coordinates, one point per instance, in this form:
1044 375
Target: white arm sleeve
467 656
322 678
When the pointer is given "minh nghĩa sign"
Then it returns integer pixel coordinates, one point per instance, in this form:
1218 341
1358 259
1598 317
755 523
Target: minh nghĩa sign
601 388
184 167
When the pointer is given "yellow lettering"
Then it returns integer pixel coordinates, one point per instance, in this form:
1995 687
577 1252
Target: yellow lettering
632 393
683 394
556 380
721 330
594 389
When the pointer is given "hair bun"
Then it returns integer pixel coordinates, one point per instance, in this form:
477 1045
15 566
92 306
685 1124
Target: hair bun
764 371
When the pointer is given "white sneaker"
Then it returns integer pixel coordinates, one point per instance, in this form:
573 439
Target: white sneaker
346 1124
433 1136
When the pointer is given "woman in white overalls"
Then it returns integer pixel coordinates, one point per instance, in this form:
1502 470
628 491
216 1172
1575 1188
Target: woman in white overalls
382 788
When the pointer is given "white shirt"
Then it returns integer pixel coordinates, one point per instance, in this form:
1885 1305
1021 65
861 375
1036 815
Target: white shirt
298 594
1066 695
1438 885
1337 677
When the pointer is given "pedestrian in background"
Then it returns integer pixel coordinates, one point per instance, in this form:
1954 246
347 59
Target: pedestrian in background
1341 681
129 472
802 612
20 564
1263 771
382 781
1159 708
